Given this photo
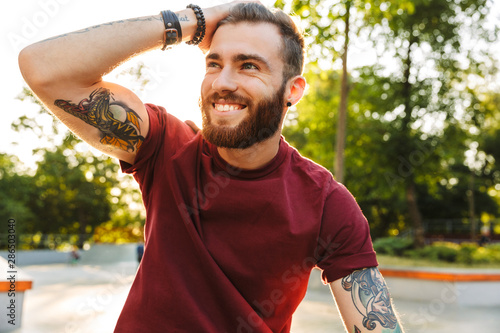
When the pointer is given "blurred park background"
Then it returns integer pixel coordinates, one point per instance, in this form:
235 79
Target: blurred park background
402 107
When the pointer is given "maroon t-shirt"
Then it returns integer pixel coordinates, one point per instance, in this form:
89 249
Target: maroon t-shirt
231 250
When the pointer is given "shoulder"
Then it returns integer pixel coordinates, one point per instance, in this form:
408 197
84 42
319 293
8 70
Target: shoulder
167 134
164 123
315 173
317 178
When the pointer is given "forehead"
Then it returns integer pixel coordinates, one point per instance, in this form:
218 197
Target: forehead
263 39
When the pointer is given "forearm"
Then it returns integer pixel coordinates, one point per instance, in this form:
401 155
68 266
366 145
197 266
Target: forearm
81 58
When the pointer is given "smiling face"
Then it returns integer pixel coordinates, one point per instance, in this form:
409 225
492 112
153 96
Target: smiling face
242 94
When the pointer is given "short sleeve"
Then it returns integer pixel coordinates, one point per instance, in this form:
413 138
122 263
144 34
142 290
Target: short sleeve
157 118
345 243
166 133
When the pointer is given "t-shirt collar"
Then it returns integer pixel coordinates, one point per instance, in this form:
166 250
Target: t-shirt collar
254 173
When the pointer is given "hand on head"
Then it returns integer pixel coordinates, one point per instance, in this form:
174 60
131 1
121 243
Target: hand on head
213 15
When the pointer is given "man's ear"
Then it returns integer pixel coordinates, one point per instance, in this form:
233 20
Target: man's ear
295 90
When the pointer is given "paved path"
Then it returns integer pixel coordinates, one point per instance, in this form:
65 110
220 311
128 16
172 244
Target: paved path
88 299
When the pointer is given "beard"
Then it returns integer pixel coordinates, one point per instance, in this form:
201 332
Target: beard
262 121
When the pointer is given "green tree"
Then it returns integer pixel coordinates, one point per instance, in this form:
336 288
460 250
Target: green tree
429 88
72 200
16 191
428 80
320 17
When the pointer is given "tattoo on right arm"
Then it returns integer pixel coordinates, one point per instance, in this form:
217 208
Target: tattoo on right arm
119 125
371 298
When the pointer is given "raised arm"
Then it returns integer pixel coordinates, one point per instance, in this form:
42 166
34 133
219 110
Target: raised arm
65 73
364 303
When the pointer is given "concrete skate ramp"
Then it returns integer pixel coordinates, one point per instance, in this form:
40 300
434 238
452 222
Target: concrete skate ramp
109 253
98 254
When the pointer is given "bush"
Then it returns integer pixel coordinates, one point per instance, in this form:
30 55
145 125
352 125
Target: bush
392 245
488 254
494 247
465 254
482 255
440 251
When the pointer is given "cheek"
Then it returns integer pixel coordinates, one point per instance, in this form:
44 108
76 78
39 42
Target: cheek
206 84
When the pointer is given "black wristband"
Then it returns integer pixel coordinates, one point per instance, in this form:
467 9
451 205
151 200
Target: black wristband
173 31
201 26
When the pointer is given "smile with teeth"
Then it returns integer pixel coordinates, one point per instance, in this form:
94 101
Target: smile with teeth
228 107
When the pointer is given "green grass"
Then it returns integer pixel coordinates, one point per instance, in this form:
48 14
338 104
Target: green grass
385 260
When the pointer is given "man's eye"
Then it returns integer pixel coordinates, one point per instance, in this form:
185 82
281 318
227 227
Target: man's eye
212 65
249 65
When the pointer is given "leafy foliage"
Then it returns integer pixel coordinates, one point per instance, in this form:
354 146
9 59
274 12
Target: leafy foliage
422 126
465 253
73 191
392 246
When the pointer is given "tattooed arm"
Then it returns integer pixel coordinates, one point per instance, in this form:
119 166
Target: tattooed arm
66 71
364 303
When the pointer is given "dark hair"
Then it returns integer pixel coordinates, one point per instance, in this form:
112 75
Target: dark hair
293 39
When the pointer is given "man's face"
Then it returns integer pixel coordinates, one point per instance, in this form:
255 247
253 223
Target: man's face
242 95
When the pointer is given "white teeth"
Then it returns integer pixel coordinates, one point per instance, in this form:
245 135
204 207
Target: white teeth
225 107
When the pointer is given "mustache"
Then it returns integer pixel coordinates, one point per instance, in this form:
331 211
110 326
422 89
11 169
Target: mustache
230 97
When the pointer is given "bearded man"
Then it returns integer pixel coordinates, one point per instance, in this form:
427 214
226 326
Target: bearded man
236 218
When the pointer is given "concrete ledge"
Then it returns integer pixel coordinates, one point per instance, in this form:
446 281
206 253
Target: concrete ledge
444 286
440 276
38 257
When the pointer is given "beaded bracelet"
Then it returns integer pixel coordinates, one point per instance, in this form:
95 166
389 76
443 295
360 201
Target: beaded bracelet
201 25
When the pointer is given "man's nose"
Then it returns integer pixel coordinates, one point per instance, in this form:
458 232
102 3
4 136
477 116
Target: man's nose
225 82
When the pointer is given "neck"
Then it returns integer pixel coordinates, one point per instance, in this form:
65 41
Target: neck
253 157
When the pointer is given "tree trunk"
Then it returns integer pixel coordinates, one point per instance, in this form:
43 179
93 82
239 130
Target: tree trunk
406 146
344 92
472 208
83 227
415 216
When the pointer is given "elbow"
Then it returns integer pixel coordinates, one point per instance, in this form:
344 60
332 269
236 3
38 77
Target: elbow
25 61
28 67
33 70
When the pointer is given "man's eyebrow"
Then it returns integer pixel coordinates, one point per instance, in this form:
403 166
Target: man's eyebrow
213 56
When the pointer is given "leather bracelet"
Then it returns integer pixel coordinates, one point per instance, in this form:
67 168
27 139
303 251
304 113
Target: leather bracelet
173 31
201 26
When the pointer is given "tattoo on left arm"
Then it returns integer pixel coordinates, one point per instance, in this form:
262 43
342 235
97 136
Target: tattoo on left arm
372 300
182 18
119 125
86 30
